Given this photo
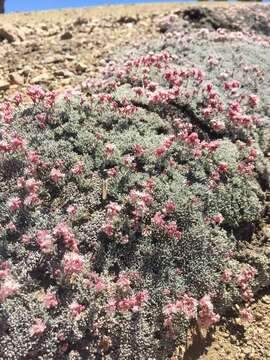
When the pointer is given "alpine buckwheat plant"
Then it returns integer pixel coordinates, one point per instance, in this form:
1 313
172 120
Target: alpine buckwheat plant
129 209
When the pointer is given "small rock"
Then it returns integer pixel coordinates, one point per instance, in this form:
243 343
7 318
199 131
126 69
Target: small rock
44 27
127 19
8 33
66 35
54 59
16 78
81 67
80 21
42 78
64 73
4 85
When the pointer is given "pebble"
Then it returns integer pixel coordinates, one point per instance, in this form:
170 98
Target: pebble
4 85
66 35
16 78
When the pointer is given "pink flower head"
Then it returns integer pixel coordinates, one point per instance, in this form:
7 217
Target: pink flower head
111 306
4 270
36 93
38 328
207 317
45 241
246 314
226 276
72 210
76 309
138 150
218 218
78 169
56 175
26 239
8 288
14 204
253 100
50 300
223 167
109 150
169 207
161 150
172 231
113 209
123 282
158 219
73 263
62 230
108 229
113 171
31 185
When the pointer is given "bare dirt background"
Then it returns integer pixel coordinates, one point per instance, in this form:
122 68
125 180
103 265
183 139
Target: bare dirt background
59 49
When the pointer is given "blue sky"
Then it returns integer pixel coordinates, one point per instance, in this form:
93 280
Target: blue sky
31 5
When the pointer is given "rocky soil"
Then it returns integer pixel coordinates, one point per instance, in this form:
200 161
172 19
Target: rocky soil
59 49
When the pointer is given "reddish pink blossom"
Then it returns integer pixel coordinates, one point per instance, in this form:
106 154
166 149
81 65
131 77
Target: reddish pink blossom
123 282
26 239
253 100
138 150
4 270
31 200
207 316
226 276
223 167
113 171
246 314
56 175
98 135
72 210
62 230
169 207
78 169
76 309
109 150
108 229
38 328
161 150
158 219
14 204
172 231
218 125
124 239
218 218
31 185
111 306
36 93
73 263
11 226
50 300
197 153
9 287
215 176
45 241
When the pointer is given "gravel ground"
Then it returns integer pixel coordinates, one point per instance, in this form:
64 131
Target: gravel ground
59 49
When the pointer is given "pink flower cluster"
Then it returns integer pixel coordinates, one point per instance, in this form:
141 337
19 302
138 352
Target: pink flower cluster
186 306
243 280
75 309
8 285
62 230
38 328
73 263
206 315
